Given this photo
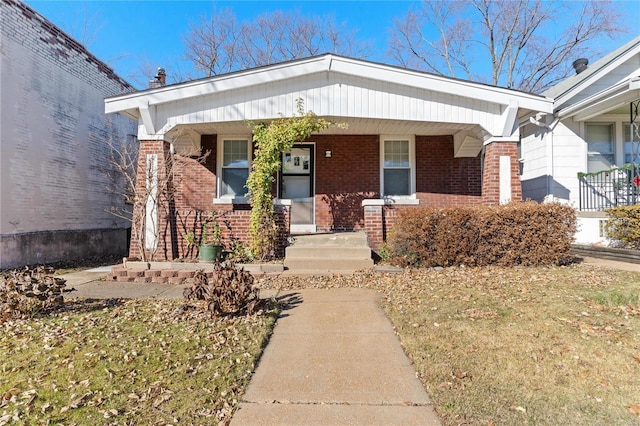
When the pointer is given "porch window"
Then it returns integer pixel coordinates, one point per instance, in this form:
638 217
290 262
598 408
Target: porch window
600 147
398 174
235 167
631 145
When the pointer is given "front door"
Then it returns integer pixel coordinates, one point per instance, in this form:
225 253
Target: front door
296 184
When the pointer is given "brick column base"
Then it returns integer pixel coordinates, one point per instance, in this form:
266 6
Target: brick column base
501 174
374 225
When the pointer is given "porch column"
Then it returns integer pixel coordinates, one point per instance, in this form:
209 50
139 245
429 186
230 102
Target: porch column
374 223
501 174
151 230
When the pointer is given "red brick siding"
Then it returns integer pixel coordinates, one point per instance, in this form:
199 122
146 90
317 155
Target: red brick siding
491 178
351 175
160 148
195 190
443 180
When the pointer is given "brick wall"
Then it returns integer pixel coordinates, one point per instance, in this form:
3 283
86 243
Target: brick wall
351 175
54 138
194 184
443 180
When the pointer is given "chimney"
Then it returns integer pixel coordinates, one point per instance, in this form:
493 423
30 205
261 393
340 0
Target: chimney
159 80
580 65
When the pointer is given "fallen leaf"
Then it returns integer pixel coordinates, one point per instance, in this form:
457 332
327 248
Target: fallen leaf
635 409
162 398
80 401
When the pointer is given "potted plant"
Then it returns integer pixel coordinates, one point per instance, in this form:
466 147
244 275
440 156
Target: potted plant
210 248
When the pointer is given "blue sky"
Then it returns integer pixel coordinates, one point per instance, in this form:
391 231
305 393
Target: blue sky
129 34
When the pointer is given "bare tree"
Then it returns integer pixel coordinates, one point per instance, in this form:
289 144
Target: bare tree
219 44
522 44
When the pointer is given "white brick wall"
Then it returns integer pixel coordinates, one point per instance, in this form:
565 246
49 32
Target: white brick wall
53 130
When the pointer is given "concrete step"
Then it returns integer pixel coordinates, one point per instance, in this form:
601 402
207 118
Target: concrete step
334 264
340 239
339 252
327 252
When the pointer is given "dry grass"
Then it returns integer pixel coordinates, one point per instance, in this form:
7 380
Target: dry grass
127 362
510 346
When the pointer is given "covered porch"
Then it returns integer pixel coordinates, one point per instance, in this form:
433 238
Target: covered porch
407 139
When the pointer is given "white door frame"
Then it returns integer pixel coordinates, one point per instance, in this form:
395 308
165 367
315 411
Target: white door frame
304 228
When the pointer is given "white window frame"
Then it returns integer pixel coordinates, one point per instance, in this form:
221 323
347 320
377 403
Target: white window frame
614 140
412 167
626 125
229 199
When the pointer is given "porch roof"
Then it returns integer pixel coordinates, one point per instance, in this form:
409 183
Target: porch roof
606 85
364 94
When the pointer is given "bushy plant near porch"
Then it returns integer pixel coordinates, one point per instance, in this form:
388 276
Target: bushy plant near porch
624 225
272 139
514 234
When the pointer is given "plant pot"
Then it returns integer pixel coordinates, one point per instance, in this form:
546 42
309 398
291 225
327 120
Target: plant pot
209 252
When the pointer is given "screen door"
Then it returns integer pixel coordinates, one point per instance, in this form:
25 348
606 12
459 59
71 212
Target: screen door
296 183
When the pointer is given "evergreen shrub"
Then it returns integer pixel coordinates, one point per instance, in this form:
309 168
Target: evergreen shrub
624 225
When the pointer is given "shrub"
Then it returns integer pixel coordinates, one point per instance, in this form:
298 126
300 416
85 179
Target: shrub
624 225
229 291
525 233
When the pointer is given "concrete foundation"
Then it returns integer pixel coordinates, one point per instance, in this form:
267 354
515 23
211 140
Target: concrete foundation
33 248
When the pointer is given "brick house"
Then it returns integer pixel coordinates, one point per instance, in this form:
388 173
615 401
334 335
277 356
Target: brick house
412 139
53 141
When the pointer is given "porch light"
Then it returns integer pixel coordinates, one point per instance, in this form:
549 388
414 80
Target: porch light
327 153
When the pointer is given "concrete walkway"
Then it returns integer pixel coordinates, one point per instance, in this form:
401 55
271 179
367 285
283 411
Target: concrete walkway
334 358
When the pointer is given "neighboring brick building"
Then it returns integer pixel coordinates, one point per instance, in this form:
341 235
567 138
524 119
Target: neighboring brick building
54 145
412 139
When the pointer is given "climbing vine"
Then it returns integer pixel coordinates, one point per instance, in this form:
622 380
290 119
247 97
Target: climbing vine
272 139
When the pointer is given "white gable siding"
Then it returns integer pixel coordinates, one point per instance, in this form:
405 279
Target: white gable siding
334 96
629 68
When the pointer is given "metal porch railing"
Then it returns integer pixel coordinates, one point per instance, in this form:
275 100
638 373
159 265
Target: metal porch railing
609 188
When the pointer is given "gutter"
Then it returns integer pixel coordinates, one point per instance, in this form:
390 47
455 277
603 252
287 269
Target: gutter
610 92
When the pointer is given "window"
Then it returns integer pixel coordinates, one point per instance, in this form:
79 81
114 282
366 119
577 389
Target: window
600 147
398 175
631 144
235 167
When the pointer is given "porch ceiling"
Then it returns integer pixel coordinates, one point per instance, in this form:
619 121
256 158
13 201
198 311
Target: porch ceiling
355 126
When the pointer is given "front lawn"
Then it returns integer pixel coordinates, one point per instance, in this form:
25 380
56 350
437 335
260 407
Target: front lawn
558 345
507 346
127 362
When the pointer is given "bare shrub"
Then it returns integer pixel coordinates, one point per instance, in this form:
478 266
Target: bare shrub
525 233
229 291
